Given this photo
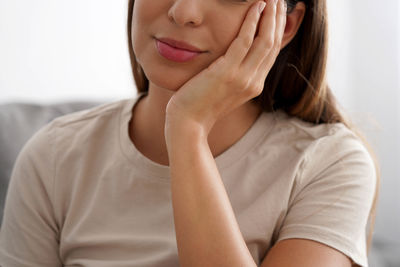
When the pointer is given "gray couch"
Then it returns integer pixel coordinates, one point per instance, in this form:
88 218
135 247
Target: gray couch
19 121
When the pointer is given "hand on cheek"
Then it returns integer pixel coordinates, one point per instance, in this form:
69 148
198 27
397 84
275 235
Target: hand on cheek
236 77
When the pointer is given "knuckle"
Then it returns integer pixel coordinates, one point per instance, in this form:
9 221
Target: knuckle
230 77
269 44
247 41
257 88
256 91
260 89
276 49
243 84
278 42
282 15
250 92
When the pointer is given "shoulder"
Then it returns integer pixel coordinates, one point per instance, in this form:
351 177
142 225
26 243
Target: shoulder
85 123
81 118
322 138
293 127
75 129
324 147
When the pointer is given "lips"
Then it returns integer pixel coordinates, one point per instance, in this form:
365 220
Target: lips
180 44
175 54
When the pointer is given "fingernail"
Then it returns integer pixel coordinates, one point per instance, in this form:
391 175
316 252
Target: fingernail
261 7
275 1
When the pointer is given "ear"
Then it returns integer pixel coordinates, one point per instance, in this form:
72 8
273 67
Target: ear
293 22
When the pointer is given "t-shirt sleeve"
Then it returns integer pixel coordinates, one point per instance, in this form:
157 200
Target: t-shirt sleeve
333 195
29 232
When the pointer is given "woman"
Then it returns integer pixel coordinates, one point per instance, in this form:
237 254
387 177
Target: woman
232 154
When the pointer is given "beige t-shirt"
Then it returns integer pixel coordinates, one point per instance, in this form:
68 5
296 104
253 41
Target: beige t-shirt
81 194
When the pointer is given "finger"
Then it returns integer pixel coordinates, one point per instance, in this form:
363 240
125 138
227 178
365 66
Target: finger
264 41
280 22
268 62
242 43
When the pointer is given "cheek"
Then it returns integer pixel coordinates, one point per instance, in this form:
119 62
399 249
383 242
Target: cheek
226 34
143 17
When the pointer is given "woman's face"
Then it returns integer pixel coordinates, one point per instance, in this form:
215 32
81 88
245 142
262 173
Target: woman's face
210 25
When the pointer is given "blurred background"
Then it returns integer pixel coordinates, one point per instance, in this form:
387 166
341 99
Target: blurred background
57 51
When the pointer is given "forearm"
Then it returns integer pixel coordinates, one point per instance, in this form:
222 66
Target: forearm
206 229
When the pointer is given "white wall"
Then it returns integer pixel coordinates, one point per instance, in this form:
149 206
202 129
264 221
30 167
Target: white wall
339 72
56 50
376 70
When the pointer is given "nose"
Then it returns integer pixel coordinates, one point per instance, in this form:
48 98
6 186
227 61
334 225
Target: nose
186 12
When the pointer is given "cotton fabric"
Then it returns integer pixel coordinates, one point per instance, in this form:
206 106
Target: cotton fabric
81 194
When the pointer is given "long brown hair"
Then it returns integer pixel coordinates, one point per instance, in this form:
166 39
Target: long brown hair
297 82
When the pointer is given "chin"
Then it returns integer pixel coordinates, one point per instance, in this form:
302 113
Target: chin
167 77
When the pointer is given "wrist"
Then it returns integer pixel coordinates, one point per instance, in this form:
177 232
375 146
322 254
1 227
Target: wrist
183 131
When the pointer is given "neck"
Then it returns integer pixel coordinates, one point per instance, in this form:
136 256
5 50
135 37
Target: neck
146 127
